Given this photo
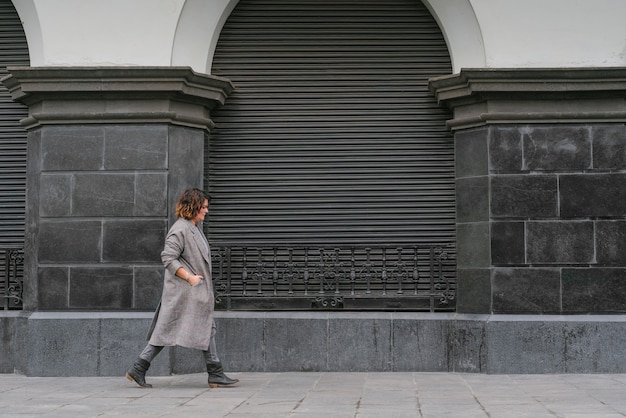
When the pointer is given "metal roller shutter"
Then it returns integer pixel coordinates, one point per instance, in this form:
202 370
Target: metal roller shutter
331 135
13 52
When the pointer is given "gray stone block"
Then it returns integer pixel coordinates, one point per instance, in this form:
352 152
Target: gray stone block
505 149
240 341
526 291
557 148
556 344
609 147
466 344
593 195
471 153
187 360
594 290
359 342
72 148
55 195
472 199
557 242
135 147
519 344
53 287
524 196
11 323
610 243
97 288
508 243
185 168
125 241
7 339
473 245
590 346
71 241
418 343
296 343
151 195
148 287
122 339
103 194
63 347
473 291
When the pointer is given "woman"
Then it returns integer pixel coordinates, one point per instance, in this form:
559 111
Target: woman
185 314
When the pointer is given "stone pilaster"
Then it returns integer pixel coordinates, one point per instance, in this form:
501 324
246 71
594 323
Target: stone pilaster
109 150
540 155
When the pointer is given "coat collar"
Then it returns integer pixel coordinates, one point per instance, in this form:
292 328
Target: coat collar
201 242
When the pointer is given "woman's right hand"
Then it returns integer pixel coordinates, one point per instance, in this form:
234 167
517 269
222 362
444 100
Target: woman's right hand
194 280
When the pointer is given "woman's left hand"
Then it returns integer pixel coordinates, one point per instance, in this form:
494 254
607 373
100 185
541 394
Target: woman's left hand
194 280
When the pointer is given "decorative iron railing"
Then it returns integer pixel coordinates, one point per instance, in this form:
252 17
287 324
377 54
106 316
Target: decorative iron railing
11 277
377 277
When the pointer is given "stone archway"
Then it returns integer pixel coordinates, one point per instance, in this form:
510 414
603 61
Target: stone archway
201 21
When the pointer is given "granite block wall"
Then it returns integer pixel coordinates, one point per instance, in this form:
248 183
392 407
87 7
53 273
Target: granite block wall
540 211
99 209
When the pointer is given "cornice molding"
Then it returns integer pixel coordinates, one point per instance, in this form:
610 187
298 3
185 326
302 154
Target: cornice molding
496 96
79 95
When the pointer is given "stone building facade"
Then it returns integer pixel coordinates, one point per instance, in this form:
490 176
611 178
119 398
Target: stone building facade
118 123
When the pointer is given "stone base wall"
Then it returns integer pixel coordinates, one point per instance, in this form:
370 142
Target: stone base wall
104 344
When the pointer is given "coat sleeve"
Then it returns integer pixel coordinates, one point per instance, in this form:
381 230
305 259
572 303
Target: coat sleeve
174 246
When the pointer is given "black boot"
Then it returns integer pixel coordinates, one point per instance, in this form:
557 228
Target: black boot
137 372
216 375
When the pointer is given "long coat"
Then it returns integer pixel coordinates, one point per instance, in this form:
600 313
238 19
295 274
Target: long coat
185 314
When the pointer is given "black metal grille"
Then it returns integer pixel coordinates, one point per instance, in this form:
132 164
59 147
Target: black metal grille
381 277
11 278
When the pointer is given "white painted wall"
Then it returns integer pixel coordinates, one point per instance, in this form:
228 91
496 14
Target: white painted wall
100 32
552 33
479 33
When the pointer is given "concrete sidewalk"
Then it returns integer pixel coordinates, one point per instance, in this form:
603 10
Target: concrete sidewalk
350 395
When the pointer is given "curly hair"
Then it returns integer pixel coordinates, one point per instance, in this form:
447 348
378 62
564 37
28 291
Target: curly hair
190 203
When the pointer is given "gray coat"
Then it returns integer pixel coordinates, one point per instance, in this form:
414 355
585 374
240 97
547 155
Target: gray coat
185 314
